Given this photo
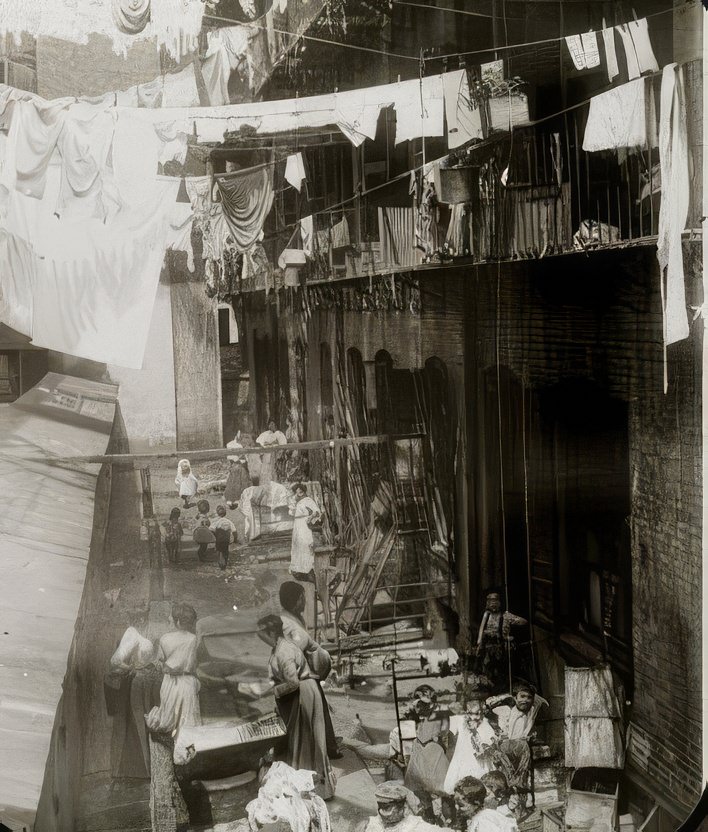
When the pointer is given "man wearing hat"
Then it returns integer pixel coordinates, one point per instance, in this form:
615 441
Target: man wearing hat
397 811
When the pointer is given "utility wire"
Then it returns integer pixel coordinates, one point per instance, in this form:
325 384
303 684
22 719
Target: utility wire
317 39
531 43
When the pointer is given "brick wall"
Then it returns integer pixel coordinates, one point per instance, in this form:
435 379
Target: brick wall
665 434
598 318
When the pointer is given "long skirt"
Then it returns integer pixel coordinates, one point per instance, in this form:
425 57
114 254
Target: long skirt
135 696
239 479
303 714
179 704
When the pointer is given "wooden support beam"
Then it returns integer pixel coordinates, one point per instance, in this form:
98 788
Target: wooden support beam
220 453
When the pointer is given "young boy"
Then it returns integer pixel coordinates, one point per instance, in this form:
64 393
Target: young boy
173 535
223 529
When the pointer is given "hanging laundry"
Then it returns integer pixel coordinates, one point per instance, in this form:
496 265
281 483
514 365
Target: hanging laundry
89 285
639 32
590 49
594 729
174 142
150 95
307 234
675 184
608 39
340 234
228 49
35 127
131 16
577 53
179 235
247 197
180 88
357 121
397 235
419 108
295 170
617 118
136 150
464 120
630 53
84 145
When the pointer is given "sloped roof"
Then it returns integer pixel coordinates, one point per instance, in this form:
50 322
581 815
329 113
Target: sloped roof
45 534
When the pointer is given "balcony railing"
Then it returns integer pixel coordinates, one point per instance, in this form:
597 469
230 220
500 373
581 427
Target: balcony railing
528 195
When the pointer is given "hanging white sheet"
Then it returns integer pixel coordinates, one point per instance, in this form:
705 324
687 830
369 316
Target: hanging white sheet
464 121
594 730
617 118
675 194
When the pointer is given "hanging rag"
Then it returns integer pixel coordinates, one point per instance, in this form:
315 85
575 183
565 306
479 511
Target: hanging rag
307 234
577 53
630 52
464 121
295 170
180 88
84 145
358 121
247 197
673 212
590 50
151 94
617 118
179 235
397 235
419 108
608 38
639 32
131 16
340 234
594 729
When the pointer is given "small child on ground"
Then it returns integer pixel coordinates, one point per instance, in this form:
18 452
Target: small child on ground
203 536
203 509
173 535
186 482
223 530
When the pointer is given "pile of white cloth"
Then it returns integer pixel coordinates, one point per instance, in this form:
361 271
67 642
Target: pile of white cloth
289 795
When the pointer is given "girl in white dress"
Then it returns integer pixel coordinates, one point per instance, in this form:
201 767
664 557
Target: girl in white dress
475 740
305 512
186 482
179 692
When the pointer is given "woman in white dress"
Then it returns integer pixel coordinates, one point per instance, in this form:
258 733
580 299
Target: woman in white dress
305 512
179 692
268 439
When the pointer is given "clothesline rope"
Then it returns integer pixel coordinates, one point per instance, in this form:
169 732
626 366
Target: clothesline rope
316 39
526 44
522 45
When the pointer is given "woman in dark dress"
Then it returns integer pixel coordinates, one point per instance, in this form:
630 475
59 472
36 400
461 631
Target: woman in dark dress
300 705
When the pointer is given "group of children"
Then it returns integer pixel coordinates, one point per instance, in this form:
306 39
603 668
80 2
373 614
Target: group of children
483 738
218 530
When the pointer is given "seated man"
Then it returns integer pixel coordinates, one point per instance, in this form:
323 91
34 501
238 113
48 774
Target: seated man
517 726
397 808
471 816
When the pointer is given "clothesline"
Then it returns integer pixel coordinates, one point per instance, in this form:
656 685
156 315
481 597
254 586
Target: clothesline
534 42
319 40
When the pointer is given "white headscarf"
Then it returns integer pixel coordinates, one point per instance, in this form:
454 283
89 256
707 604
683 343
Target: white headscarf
179 468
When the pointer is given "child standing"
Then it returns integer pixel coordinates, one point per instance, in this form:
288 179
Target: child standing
186 482
173 535
223 530
203 536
